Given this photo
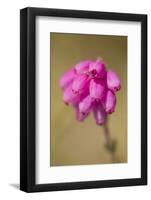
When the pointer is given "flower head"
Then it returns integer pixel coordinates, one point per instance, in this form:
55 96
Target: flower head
90 87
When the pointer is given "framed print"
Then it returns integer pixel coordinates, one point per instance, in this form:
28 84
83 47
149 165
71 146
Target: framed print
83 99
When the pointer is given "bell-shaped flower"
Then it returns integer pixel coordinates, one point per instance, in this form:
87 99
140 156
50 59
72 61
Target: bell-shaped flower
80 116
97 69
110 102
96 89
82 67
99 114
67 78
85 105
80 83
113 81
69 97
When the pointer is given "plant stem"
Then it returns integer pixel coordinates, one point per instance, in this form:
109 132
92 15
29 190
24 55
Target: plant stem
109 143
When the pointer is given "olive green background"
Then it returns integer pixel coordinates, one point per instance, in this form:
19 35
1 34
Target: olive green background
78 143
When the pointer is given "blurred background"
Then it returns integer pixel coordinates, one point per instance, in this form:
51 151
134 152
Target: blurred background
78 143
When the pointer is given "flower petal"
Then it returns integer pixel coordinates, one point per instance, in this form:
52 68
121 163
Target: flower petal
82 67
70 97
96 89
80 116
80 83
97 69
113 81
67 78
99 114
85 105
110 102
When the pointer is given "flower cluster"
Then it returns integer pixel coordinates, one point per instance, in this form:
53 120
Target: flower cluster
90 87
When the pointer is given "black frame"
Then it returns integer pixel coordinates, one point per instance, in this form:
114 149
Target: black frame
27 99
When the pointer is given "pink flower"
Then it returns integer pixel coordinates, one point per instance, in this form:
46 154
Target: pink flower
70 97
67 78
110 102
113 81
99 114
97 69
83 67
97 89
85 105
90 87
80 83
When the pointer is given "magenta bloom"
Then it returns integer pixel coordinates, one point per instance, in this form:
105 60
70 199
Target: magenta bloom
90 87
